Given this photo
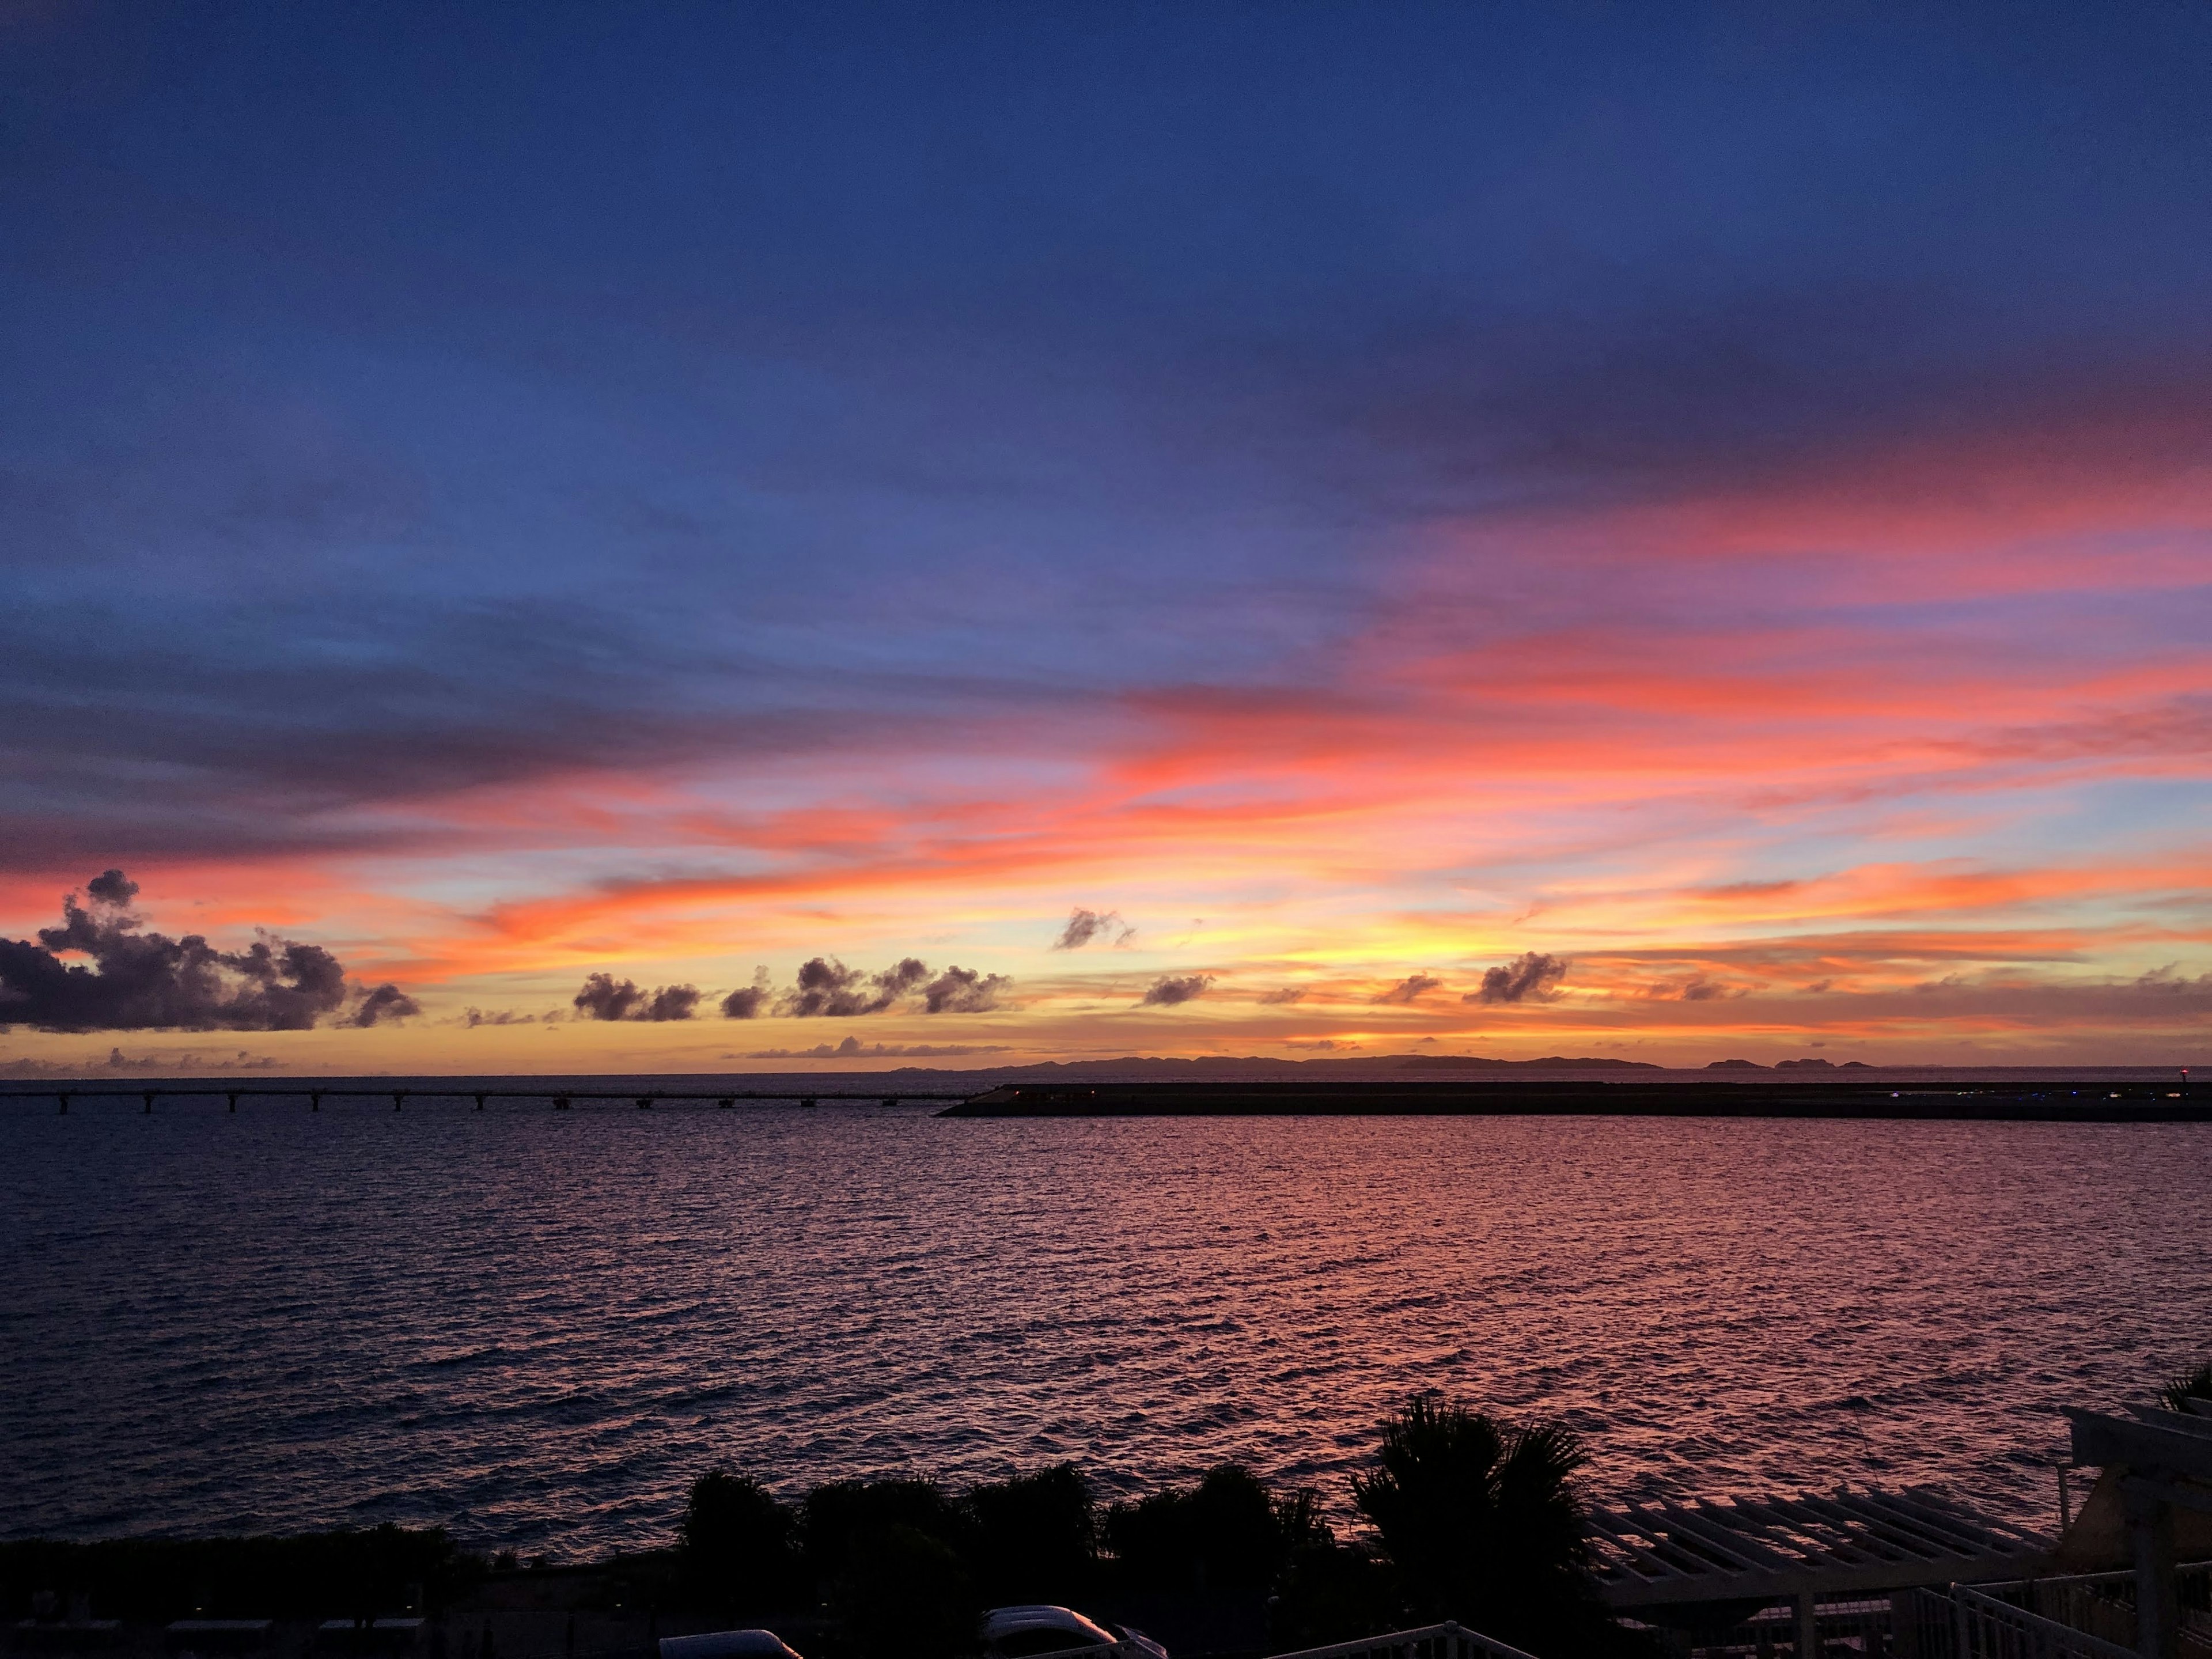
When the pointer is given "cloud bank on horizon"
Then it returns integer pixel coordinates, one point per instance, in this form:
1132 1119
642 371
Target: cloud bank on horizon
1671 534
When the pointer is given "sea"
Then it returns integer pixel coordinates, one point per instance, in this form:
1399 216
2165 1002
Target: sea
537 1327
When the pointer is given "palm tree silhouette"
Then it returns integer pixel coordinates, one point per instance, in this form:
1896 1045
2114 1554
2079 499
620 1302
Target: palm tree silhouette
1484 1525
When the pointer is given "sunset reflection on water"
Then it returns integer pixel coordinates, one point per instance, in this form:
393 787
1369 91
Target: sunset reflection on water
536 1329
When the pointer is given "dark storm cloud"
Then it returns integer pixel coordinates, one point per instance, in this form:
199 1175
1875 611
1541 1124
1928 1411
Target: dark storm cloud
963 990
1409 988
1167 990
605 997
1084 926
1529 977
827 989
142 981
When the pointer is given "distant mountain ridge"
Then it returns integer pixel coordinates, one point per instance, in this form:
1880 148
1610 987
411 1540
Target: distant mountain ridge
1158 1066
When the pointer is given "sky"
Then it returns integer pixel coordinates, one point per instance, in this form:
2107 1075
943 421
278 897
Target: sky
967 535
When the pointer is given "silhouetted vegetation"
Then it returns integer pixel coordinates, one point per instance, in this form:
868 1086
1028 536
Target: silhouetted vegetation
2190 1385
1484 1524
1036 1537
1227 1533
316 1575
1471 1520
740 1547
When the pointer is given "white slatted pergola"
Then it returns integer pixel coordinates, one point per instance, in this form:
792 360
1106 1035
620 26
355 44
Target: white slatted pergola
1652 1558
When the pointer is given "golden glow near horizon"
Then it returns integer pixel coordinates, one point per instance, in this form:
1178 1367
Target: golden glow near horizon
1842 829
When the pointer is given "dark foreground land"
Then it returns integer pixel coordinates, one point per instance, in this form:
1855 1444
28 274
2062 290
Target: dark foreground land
2089 1099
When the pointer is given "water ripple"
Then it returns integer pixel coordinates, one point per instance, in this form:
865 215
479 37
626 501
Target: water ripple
537 1327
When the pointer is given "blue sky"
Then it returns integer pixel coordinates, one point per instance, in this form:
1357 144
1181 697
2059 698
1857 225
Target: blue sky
426 427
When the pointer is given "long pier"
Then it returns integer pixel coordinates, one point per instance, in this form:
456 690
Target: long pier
562 1100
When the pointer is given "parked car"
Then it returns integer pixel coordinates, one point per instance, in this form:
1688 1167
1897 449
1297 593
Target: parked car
727 1644
1025 1632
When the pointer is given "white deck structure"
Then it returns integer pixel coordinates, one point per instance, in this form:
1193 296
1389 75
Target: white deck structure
2164 1459
1781 1549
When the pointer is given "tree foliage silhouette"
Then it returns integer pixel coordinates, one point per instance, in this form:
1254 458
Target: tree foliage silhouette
1484 1525
2190 1385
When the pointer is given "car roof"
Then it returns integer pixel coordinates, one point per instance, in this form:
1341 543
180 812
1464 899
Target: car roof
727 1644
1039 1615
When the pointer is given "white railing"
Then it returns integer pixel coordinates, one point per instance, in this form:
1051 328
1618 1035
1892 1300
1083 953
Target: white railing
1987 1628
1858 1627
2103 1603
1449 1640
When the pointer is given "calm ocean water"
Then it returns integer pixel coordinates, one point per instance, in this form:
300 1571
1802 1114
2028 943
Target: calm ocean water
538 1327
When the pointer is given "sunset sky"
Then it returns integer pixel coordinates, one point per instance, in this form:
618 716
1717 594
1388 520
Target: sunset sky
1655 532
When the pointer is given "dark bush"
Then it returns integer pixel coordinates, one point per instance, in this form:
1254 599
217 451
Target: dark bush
1332 1593
1035 1536
1226 1534
740 1547
838 1517
344 1574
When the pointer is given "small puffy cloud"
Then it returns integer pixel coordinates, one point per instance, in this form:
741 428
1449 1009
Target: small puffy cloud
1289 994
853 1049
1410 987
1529 977
2168 982
1168 990
963 990
385 1002
605 996
111 887
472 1017
747 1000
673 1002
1084 926
827 989
1326 1045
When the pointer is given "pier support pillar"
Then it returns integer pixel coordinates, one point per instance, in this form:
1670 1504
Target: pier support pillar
149 1102
2150 1532
233 1103
1808 1627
